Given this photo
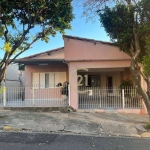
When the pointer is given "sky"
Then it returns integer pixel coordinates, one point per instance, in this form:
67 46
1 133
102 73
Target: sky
80 27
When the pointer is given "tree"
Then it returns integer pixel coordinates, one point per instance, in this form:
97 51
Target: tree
127 23
18 18
128 27
90 7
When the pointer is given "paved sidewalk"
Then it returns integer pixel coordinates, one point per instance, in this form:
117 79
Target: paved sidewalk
101 124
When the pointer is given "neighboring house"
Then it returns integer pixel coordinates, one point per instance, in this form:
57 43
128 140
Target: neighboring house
107 67
13 78
13 81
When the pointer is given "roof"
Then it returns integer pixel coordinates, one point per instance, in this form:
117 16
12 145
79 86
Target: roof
46 52
38 61
27 60
87 40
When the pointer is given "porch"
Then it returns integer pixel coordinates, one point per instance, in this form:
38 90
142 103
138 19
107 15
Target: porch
99 88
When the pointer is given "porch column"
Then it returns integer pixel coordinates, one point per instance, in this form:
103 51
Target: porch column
73 86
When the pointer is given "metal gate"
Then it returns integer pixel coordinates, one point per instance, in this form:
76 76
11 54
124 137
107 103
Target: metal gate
102 98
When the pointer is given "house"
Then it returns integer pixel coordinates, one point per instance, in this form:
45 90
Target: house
14 81
13 77
94 70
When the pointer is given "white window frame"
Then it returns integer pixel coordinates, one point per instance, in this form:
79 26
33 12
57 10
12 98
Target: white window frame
57 78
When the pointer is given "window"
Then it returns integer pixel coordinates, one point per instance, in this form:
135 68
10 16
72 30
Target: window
46 80
49 79
94 81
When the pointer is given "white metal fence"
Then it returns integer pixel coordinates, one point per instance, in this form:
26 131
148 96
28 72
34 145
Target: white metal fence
88 97
102 98
36 96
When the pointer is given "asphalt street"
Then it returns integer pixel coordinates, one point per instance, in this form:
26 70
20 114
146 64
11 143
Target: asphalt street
43 141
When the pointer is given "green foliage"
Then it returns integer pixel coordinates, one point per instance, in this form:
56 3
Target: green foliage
18 15
146 58
119 20
147 126
42 13
23 22
125 83
21 67
2 89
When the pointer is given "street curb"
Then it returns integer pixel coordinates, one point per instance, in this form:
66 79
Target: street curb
10 128
16 129
74 134
65 109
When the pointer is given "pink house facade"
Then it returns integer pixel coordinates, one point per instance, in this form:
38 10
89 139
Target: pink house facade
93 69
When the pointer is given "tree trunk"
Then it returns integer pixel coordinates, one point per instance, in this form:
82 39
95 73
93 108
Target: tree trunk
137 79
2 73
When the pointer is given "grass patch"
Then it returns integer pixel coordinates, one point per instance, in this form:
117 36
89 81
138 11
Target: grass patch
147 126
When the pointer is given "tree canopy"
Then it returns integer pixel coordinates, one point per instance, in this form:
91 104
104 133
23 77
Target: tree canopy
23 22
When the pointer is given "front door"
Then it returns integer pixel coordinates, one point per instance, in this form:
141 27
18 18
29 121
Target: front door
109 84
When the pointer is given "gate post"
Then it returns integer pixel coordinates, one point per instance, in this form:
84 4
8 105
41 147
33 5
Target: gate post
33 101
69 93
4 96
123 102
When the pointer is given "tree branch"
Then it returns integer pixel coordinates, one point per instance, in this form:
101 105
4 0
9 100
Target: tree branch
5 33
37 38
136 37
131 50
144 76
20 41
25 49
2 72
3 60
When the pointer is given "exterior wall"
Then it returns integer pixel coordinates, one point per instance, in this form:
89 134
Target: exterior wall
29 69
46 93
73 66
43 94
121 75
82 50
